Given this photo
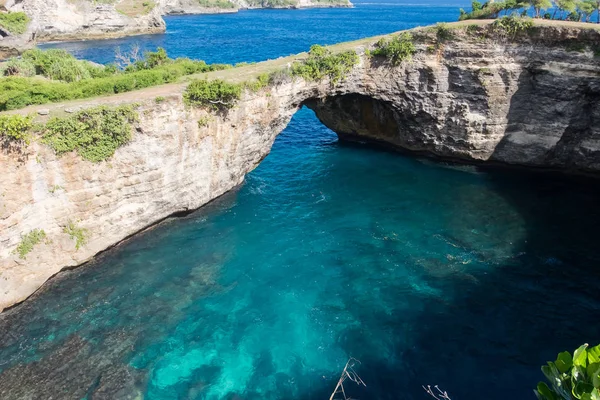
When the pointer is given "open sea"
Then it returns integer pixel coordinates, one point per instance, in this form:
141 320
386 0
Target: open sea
429 273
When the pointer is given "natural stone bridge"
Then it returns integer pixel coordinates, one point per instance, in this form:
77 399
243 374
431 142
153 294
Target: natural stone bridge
531 103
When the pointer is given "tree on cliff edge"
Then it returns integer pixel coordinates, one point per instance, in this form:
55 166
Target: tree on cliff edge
539 5
564 5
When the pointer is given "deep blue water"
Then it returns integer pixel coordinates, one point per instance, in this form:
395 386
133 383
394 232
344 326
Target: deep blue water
257 35
429 273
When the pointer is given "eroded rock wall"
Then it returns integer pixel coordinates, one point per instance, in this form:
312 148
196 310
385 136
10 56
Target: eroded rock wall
170 7
172 165
534 103
529 102
84 19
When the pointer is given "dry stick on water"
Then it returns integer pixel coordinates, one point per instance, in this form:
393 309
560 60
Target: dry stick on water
347 373
439 395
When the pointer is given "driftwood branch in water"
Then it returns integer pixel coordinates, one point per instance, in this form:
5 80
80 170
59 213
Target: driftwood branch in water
347 373
438 394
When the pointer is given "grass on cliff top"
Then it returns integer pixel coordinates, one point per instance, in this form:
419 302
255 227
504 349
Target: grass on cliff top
14 22
225 4
134 8
41 77
272 3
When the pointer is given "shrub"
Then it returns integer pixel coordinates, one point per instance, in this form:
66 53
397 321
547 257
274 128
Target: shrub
203 121
95 133
491 9
397 49
89 80
44 59
279 77
261 81
76 233
442 32
152 59
68 70
512 26
217 94
576 46
28 241
61 65
17 66
156 58
16 127
472 29
14 22
55 189
321 63
574 376
159 99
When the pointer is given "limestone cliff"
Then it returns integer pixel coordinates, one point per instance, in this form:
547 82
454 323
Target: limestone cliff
531 101
228 6
86 19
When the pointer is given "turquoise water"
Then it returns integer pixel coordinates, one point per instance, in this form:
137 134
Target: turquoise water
429 273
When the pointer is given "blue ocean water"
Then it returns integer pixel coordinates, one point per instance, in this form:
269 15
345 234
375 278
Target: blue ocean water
257 35
428 273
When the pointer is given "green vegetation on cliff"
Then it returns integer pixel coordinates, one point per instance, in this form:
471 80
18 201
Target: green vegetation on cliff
512 26
396 49
130 8
571 377
272 3
492 9
95 133
572 10
60 77
321 63
133 8
57 65
28 241
14 22
217 94
226 4
16 128
79 235
220 95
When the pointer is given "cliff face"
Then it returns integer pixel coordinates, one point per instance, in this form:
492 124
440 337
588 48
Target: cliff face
531 102
228 6
86 19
